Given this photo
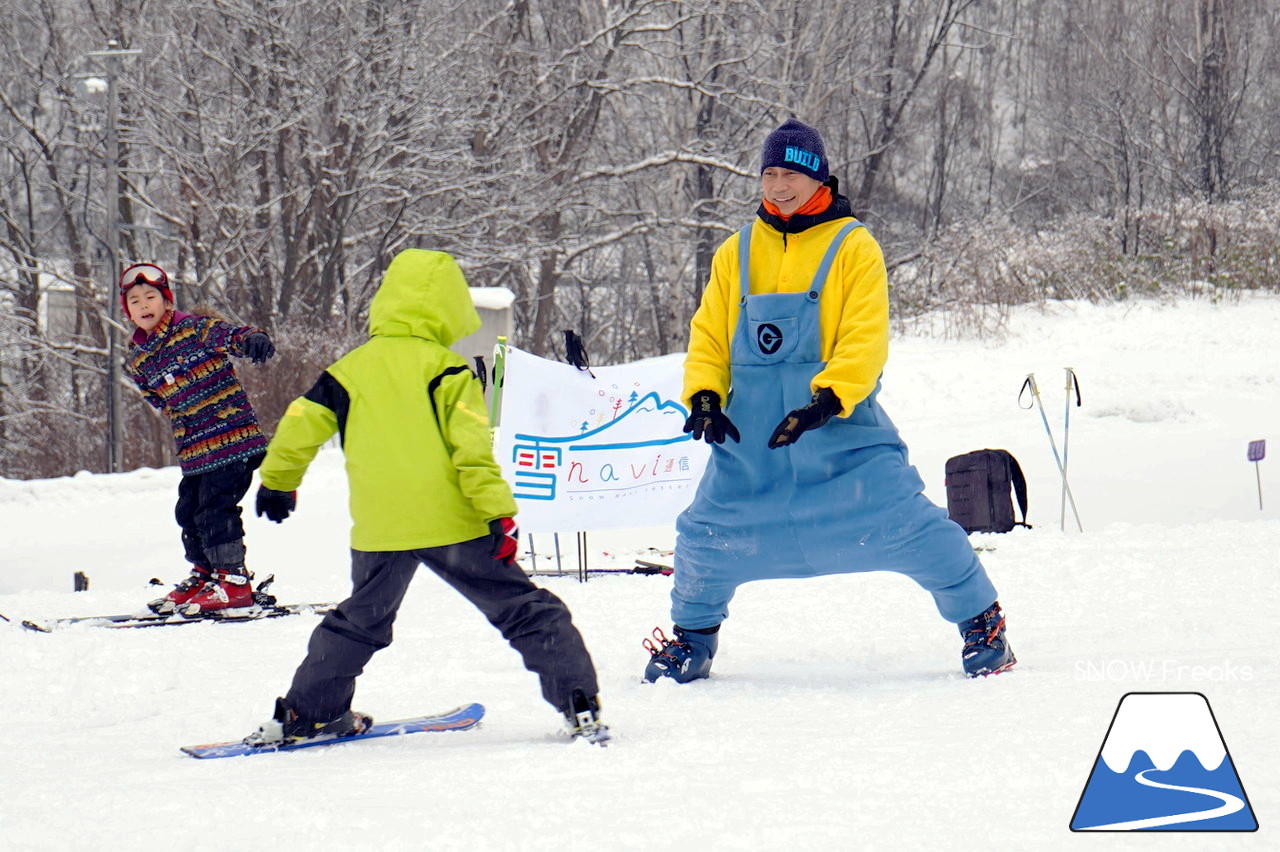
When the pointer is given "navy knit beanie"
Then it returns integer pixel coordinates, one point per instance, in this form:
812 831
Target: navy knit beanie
798 147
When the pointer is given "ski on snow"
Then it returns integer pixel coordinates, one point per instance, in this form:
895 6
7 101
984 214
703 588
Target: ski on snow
226 616
458 719
264 606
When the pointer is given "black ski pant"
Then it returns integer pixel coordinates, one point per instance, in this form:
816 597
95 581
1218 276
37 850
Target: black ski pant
536 623
208 512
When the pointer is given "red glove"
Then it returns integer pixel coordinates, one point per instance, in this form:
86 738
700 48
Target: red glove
504 539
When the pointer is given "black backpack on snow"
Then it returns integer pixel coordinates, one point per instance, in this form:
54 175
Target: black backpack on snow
978 486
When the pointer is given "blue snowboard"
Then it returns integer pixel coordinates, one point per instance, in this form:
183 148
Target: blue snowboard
460 719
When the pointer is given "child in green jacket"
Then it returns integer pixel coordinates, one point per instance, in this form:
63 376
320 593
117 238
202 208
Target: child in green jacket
424 490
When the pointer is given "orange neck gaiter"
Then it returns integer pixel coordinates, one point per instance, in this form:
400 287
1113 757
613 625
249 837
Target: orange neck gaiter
820 201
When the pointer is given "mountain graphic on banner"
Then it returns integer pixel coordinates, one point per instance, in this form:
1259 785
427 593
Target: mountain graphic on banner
1164 766
649 421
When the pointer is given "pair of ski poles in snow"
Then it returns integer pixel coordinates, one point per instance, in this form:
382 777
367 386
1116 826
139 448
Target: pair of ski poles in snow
1072 384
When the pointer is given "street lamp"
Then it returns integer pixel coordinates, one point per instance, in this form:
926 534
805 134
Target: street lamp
110 62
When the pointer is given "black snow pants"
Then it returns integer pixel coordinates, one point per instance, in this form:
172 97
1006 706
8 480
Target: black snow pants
208 512
536 623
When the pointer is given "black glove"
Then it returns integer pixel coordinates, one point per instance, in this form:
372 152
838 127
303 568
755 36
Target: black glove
707 422
825 405
258 347
276 505
504 539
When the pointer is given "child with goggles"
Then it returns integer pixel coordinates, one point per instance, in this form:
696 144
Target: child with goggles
181 364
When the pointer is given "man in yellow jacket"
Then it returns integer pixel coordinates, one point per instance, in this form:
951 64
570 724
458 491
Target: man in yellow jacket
424 489
808 475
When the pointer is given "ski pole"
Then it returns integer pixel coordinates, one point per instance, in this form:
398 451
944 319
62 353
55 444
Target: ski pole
499 375
1072 381
582 557
1035 395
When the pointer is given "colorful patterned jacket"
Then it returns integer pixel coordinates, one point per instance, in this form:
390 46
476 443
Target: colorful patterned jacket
183 370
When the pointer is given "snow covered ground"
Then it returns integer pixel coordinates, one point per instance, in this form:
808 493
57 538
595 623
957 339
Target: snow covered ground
836 716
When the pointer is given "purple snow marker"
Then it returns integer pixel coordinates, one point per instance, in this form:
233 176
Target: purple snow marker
1257 450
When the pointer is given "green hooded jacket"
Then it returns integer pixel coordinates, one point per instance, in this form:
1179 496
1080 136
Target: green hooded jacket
411 414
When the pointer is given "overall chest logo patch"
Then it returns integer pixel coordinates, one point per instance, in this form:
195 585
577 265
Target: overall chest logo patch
768 337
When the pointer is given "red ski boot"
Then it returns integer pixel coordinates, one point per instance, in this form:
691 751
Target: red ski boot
223 590
182 593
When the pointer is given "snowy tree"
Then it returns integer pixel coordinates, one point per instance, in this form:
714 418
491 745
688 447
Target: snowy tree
591 156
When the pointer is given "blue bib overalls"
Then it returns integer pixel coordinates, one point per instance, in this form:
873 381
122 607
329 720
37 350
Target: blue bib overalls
841 500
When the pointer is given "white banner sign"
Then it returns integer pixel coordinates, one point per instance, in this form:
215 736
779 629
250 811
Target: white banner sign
585 453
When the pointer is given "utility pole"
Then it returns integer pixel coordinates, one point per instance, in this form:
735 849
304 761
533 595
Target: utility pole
111 62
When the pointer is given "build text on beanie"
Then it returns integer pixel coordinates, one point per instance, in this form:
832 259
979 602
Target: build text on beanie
798 147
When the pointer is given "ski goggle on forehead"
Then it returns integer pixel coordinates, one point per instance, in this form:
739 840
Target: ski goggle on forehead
145 273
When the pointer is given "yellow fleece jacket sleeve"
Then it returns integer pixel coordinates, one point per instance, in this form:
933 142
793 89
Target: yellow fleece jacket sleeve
706 365
855 321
